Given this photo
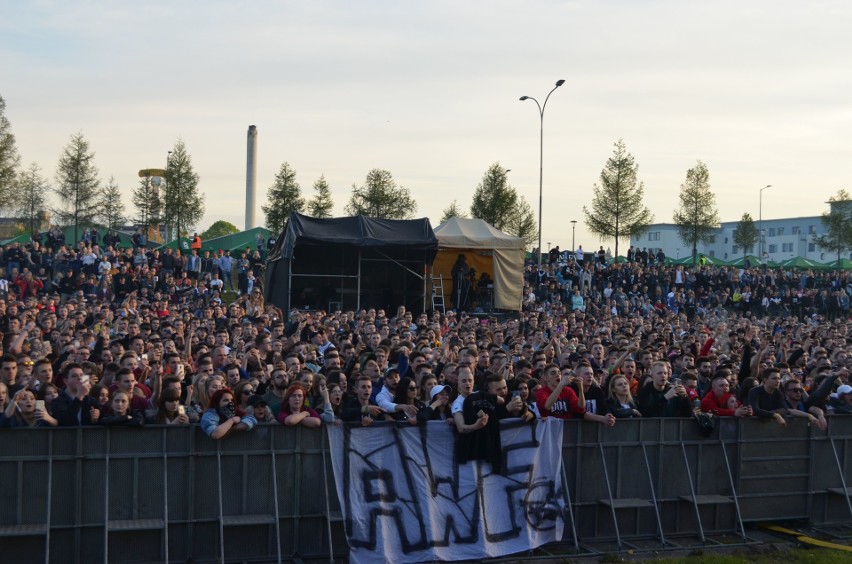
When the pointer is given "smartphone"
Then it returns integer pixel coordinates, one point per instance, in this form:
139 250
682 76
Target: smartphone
516 394
676 382
40 405
181 410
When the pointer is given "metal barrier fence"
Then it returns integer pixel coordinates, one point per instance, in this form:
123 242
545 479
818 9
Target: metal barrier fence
171 493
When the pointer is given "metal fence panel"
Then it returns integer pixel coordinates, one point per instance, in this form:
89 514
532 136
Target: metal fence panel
278 491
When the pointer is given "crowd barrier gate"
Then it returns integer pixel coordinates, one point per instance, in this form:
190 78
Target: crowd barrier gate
169 493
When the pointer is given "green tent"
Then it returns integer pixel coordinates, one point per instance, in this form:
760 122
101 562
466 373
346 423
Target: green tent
175 244
799 262
23 239
740 261
842 264
237 241
68 231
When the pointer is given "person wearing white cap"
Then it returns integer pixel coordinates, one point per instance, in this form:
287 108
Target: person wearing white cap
438 409
841 402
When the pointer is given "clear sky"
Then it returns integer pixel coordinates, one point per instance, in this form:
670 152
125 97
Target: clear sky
760 91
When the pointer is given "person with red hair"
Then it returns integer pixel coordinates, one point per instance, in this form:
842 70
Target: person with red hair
223 416
294 411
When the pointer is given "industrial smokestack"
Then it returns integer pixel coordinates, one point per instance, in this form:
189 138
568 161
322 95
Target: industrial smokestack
251 177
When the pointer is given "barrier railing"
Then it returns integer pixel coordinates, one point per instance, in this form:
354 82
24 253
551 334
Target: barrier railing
171 493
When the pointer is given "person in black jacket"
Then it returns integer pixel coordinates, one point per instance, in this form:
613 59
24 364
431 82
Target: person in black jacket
658 398
120 413
75 407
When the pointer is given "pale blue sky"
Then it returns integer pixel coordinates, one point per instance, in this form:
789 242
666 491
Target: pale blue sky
760 91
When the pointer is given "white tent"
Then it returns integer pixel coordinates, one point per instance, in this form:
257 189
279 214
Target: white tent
488 250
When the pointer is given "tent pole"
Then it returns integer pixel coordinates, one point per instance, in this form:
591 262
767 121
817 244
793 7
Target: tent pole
358 299
427 278
289 288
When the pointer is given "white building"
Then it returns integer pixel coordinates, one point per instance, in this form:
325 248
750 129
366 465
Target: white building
782 239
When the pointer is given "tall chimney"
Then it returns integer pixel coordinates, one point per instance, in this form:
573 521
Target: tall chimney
251 177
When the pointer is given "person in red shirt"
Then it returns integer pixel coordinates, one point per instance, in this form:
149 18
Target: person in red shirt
716 400
555 398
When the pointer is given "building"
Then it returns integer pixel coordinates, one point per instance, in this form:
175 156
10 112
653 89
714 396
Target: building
782 239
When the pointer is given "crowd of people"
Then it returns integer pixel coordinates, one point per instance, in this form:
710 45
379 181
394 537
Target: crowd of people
98 335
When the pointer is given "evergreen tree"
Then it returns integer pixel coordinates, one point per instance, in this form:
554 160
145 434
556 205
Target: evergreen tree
745 235
494 197
147 200
183 203
520 222
284 196
697 218
111 208
321 205
78 186
381 197
9 160
617 209
31 197
453 210
838 235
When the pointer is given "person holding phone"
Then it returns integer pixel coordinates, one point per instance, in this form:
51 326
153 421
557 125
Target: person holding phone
24 410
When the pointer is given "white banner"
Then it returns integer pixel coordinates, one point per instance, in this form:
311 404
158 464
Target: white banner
404 498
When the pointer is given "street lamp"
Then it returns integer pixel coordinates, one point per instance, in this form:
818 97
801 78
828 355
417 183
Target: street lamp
541 108
760 221
573 226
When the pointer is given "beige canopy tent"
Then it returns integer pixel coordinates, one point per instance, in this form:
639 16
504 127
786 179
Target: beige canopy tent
487 250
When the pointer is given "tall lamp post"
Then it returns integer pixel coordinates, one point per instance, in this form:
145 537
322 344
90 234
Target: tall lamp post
541 108
573 227
760 221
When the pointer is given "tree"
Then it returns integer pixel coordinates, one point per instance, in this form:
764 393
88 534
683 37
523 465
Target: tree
520 222
745 235
617 210
321 205
838 236
78 186
147 200
111 207
453 210
493 197
31 197
183 204
284 196
219 229
697 217
9 159
381 197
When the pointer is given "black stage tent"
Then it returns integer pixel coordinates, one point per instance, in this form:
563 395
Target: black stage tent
350 263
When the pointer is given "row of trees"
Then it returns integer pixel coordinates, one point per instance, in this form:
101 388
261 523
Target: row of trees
84 198
618 212
494 201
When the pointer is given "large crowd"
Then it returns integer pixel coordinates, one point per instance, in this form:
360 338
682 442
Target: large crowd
98 335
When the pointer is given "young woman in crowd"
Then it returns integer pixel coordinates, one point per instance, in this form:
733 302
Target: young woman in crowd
620 402
406 394
438 408
223 417
242 392
426 385
120 414
295 411
169 410
22 411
